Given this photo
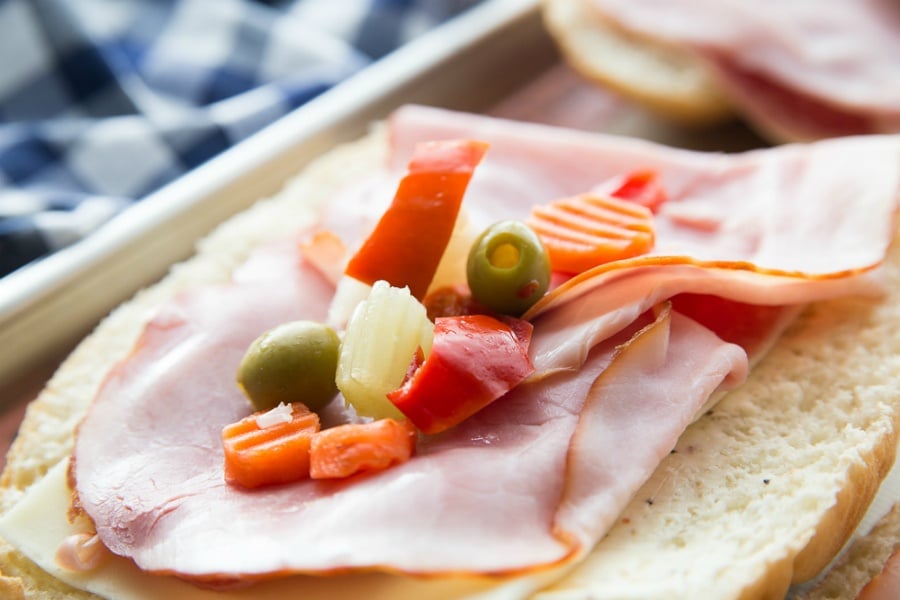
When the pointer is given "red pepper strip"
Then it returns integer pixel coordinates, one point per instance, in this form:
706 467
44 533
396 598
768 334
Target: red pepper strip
409 240
474 360
641 187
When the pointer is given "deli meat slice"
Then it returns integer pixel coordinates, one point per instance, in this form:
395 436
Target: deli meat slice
787 225
630 416
481 498
773 209
805 68
533 480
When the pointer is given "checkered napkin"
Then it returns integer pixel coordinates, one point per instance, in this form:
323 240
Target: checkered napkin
104 101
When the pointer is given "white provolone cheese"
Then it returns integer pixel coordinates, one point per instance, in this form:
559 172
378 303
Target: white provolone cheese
37 525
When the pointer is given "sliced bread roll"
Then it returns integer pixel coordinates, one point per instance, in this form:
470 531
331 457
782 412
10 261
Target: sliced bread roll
762 491
862 562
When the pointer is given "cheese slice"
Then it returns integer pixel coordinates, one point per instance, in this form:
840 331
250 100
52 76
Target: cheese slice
37 525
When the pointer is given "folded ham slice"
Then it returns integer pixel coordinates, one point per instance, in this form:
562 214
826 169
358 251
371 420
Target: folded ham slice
630 416
536 478
802 69
786 225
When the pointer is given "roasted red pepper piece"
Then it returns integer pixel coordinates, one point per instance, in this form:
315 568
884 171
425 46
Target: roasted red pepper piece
641 187
409 240
474 360
451 301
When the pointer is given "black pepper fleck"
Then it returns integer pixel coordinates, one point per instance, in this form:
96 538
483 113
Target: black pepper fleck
766 481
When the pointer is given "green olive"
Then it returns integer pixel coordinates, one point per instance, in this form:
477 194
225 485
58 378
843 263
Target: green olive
293 362
508 268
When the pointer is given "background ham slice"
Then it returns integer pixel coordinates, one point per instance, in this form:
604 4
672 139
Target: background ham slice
817 208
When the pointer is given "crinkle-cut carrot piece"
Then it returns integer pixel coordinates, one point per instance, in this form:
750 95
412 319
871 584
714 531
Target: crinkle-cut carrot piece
345 450
581 232
279 453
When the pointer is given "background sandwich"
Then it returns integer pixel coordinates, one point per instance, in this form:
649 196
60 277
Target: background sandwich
797 70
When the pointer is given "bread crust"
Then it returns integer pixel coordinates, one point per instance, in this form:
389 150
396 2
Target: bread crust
47 432
838 524
862 561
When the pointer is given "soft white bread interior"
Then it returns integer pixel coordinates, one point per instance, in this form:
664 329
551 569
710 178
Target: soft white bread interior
761 491
667 79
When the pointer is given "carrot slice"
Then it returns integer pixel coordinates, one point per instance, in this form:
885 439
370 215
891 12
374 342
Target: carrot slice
581 232
407 244
345 450
278 453
326 252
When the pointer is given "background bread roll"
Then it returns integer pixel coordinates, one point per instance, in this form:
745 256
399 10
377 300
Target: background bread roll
665 78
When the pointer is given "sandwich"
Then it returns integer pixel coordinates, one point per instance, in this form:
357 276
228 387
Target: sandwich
794 71
706 409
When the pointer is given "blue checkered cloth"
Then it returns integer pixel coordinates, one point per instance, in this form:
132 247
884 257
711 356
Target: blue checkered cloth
104 101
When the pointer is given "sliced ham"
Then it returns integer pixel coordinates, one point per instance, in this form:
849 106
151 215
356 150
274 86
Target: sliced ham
517 487
803 68
613 298
769 227
481 498
631 417
774 208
